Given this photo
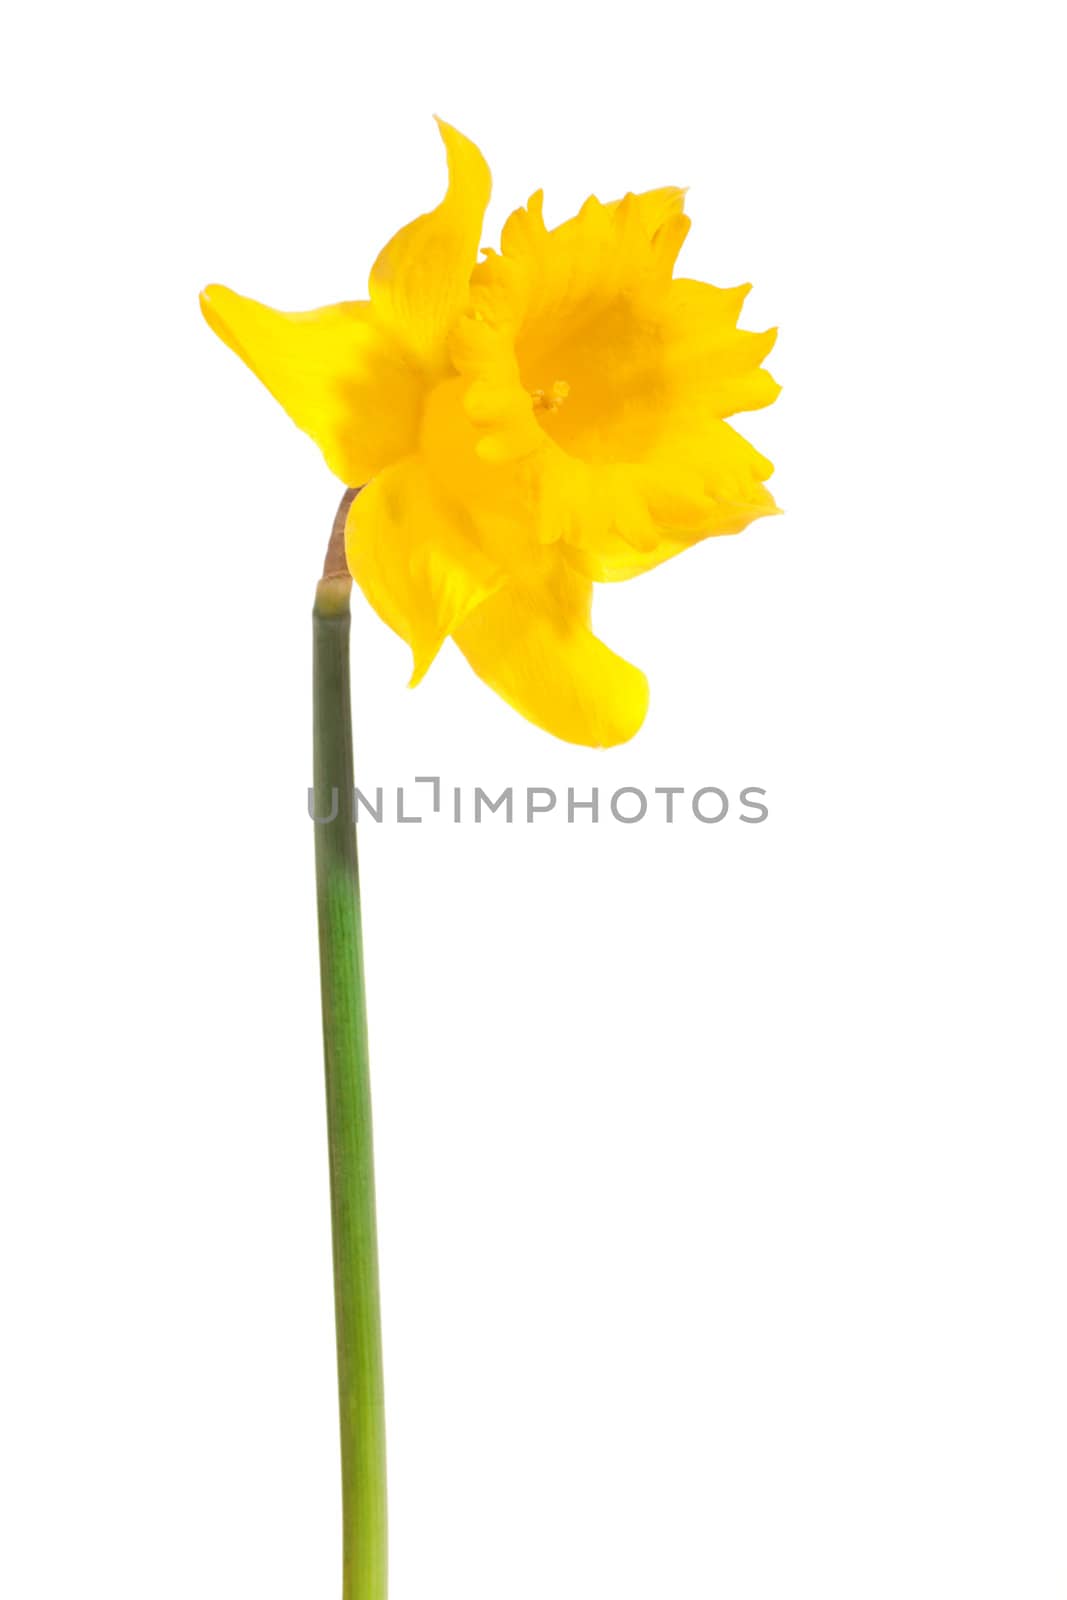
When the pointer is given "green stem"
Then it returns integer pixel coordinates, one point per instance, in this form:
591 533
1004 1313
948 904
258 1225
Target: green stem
348 1106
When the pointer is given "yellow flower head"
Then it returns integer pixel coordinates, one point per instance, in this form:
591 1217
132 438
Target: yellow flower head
527 425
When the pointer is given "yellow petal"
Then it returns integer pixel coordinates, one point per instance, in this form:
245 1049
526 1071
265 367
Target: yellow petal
610 558
338 374
532 643
656 205
417 558
706 357
701 479
419 283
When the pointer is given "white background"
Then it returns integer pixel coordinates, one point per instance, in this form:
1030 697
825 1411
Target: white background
721 1169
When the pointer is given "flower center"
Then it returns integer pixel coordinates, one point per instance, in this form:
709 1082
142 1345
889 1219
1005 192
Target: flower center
553 398
612 356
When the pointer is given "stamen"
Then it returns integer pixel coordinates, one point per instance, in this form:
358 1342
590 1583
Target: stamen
553 398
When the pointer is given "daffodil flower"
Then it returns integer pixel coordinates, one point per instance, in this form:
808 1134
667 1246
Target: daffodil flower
524 426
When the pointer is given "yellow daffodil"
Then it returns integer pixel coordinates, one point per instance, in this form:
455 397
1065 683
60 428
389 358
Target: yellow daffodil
550 417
